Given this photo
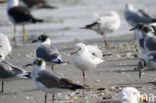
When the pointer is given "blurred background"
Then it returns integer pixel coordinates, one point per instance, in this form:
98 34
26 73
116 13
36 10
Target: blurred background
63 23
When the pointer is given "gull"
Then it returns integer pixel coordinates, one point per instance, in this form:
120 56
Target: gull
46 51
133 16
131 95
105 24
148 37
86 57
19 15
148 61
50 81
32 4
5 47
10 72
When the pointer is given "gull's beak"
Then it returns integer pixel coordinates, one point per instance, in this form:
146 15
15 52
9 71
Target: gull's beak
73 53
143 99
27 65
132 29
2 1
34 41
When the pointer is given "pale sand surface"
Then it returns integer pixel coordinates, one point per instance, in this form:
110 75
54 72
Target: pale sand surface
117 71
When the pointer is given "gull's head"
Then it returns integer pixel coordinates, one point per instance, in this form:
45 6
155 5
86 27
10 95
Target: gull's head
39 63
147 28
129 6
78 49
43 39
131 95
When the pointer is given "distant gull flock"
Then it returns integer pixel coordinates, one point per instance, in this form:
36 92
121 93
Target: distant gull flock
84 57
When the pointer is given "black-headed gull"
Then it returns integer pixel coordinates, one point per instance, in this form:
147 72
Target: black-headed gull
49 81
46 51
19 15
105 24
5 47
10 72
86 57
148 41
131 95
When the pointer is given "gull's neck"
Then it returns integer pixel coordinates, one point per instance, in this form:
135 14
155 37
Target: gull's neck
12 3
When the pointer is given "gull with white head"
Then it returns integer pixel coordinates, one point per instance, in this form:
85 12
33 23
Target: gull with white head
86 57
131 95
105 24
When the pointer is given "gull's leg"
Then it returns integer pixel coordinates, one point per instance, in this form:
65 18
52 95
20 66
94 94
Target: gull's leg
84 80
53 98
14 36
52 68
105 41
24 35
45 100
2 87
134 35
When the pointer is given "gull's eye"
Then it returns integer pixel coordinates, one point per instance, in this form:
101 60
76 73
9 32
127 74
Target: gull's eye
79 48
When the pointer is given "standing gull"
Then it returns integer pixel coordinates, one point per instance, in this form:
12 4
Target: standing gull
19 15
105 24
36 4
49 81
5 47
8 72
86 57
131 95
46 51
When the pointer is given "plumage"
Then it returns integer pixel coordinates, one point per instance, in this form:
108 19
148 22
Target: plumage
131 95
10 72
47 52
5 46
134 17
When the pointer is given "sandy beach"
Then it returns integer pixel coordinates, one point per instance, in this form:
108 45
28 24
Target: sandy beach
109 77
62 25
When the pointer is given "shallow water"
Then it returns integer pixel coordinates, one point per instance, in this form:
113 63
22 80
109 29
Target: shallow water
63 24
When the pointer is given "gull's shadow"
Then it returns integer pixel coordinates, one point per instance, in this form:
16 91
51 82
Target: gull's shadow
31 90
125 59
13 93
109 102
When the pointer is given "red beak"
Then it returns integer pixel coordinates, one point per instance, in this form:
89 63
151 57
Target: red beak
73 53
